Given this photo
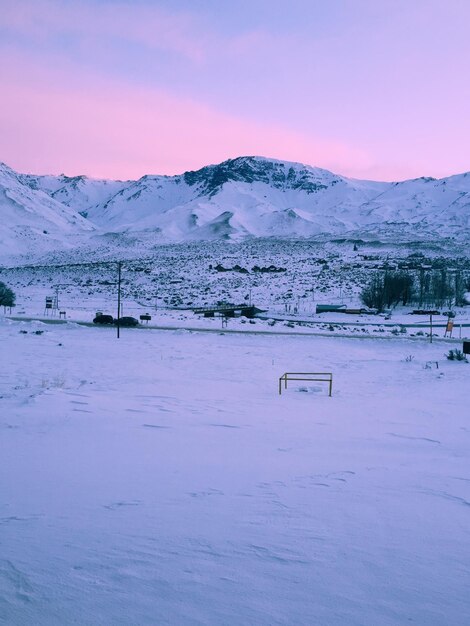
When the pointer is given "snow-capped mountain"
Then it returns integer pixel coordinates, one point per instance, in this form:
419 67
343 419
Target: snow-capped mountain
33 220
77 192
242 197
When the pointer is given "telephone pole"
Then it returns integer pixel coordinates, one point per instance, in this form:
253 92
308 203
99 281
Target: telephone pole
119 298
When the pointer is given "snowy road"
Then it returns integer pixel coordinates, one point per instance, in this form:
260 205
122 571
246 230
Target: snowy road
348 330
162 480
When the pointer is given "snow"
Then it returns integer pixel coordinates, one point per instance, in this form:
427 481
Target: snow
238 199
160 478
32 220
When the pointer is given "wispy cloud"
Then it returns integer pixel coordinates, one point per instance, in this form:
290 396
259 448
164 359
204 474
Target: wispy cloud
147 26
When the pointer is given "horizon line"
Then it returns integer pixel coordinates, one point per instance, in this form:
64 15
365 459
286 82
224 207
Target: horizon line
242 156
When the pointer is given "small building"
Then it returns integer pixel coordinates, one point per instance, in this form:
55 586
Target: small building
330 308
229 310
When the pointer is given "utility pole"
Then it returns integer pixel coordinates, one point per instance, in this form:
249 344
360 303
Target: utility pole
119 298
57 287
430 326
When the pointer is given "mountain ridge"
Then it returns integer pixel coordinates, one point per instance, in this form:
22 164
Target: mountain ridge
238 198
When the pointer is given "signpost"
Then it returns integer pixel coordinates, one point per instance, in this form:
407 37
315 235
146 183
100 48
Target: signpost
449 328
49 306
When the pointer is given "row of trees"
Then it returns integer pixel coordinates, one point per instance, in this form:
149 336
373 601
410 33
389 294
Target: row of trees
435 288
7 296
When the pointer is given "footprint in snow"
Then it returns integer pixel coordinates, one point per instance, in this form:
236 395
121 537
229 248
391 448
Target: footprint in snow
205 494
77 395
117 505
415 438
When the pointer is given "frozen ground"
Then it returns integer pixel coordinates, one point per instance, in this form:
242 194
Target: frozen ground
186 275
84 291
160 479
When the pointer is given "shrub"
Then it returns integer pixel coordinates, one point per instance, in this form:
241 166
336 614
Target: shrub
7 296
456 355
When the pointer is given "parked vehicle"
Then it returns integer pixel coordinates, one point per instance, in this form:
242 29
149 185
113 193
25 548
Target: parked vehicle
127 321
103 319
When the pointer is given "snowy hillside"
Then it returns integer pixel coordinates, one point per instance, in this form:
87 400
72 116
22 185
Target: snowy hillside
239 198
32 219
77 192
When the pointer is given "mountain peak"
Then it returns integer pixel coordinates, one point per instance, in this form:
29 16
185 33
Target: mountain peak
254 169
241 197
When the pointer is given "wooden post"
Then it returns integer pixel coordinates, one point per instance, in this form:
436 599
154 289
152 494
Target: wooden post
430 326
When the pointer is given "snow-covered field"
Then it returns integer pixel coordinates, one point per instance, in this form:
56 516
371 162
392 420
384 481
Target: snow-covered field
161 479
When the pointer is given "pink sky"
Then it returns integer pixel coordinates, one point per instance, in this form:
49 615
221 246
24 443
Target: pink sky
63 127
119 90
